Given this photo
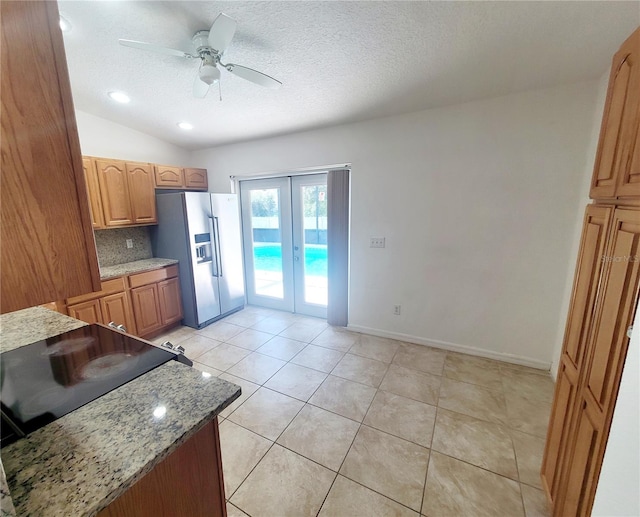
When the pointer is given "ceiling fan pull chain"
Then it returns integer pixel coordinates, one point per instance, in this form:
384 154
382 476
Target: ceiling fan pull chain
220 90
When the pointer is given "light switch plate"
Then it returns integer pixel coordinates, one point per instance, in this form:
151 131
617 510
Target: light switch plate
129 243
377 242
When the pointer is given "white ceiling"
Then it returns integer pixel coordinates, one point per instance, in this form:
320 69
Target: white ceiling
340 61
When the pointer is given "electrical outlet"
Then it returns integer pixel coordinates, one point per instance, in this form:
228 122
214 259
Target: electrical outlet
376 242
396 310
129 243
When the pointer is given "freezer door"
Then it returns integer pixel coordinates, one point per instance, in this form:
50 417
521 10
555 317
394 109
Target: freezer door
205 269
229 250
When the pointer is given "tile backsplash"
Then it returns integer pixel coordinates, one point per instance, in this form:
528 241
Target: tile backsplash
112 245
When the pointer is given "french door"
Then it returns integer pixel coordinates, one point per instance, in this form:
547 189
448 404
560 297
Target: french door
284 227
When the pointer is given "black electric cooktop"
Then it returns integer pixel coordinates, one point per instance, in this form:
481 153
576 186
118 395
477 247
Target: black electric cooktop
45 380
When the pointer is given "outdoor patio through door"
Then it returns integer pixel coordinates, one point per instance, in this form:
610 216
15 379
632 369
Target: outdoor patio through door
284 226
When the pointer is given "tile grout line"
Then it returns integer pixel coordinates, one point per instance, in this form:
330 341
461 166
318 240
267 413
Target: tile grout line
426 474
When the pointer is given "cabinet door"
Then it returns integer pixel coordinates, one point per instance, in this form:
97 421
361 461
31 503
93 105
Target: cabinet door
116 308
48 252
170 304
89 312
142 192
169 177
619 129
196 179
581 469
93 186
114 190
615 308
630 182
585 287
146 309
604 361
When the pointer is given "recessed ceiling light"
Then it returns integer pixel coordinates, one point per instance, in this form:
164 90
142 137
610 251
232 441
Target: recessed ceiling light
185 125
64 24
119 97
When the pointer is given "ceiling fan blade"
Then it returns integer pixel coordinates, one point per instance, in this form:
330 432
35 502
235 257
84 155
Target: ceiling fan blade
221 32
200 88
254 76
154 48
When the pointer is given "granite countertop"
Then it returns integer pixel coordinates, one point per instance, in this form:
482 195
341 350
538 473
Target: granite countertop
83 461
128 268
6 504
27 326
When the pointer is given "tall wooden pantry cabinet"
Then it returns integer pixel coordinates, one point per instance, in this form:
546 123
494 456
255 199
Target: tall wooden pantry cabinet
604 300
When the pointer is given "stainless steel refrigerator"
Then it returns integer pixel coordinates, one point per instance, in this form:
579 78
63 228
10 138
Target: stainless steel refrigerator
202 231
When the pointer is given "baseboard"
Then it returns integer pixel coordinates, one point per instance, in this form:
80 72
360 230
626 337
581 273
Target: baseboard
453 347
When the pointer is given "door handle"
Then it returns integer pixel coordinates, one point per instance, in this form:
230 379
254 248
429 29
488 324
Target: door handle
215 254
219 246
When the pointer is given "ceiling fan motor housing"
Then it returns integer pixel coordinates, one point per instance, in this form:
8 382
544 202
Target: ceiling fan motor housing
200 42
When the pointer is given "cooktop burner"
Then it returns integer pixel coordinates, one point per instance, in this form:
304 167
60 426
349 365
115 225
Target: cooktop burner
48 379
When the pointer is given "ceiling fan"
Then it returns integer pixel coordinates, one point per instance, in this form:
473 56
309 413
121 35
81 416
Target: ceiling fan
209 48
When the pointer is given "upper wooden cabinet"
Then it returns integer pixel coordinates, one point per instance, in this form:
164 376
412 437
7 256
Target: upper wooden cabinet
114 191
95 202
125 191
181 178
196 178
142 193
48 251
169 177
617 167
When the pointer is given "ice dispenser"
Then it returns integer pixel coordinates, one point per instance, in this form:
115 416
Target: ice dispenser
203 247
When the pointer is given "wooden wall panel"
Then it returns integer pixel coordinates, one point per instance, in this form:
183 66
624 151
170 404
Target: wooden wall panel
48 250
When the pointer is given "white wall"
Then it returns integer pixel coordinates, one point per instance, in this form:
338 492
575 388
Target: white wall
617 493
477 202
583 195
103 138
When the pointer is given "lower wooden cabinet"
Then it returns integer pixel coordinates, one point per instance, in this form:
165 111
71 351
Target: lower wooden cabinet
89 312
156 300
604 301
169 299
116 308
146 307
145 303
188 482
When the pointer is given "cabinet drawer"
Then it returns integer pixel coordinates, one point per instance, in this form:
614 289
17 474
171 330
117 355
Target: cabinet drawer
113 285
150 277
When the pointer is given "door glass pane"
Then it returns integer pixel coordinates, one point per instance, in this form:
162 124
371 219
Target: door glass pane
314 209
267 242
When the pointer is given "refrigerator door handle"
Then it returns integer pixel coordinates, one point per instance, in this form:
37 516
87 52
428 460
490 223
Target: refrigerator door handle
218 247
214 239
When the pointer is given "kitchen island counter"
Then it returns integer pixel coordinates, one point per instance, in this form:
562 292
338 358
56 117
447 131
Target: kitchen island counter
129 268
80 463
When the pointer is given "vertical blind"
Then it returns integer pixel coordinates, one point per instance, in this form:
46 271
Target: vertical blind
338 247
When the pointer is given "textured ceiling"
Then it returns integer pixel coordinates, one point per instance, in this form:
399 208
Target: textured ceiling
340 61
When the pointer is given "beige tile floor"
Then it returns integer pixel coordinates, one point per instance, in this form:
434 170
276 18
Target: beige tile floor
335 423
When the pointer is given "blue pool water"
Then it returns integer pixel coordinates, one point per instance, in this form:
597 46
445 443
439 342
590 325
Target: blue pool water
268 257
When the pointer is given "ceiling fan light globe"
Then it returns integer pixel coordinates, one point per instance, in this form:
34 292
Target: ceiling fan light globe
209 74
